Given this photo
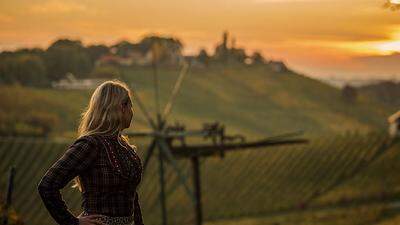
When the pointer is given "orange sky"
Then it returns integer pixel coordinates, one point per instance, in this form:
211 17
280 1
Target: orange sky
321 38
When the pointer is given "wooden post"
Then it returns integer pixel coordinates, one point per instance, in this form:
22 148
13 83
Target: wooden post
162 191
9 194
197 188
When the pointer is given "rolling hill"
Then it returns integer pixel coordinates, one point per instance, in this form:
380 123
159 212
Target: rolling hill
252 100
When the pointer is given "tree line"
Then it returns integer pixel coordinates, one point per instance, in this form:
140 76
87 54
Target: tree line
40 67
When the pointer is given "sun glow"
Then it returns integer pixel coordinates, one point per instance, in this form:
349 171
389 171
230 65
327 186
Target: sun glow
395 2
384 47
367 47
389 47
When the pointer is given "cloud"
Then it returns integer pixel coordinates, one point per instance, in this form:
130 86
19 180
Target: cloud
57 6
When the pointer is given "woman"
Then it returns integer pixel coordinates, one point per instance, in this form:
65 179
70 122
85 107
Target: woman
105 167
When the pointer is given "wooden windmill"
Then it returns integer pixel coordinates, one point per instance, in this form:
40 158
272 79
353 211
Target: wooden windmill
163 136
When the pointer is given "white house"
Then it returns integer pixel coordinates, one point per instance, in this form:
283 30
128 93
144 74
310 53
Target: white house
70 82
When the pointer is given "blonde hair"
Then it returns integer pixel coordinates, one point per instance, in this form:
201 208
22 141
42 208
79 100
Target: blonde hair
103 114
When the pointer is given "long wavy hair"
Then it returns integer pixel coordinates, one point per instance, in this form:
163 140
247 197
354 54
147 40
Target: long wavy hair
103 114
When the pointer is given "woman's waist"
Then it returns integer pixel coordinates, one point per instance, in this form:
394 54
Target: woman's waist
102 193
87 212
108 202
110 219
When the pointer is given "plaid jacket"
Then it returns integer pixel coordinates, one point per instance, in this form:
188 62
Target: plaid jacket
109 174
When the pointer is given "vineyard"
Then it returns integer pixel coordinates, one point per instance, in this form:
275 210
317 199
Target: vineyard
335 177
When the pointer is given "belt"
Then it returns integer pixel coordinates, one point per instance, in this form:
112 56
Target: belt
113 220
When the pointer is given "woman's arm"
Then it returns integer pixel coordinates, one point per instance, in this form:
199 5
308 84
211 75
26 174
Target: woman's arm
138 219
76 159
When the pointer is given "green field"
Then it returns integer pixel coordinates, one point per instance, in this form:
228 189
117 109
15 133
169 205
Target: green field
252 100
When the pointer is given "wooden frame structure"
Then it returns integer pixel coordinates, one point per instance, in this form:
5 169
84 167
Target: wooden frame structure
164 135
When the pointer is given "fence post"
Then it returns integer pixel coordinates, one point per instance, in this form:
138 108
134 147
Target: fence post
10 188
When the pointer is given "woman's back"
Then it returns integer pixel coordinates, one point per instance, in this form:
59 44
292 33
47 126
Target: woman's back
103 165
109 174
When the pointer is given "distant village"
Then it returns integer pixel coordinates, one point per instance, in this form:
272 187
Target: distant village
165 52
134 54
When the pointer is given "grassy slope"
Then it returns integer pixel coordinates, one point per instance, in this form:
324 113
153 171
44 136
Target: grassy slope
251 100
258 101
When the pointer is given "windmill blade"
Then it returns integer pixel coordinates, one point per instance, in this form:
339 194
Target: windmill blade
211 149
286 135
186 133
156 88
141 133
165 150
144 111
174 184
175 90
149 152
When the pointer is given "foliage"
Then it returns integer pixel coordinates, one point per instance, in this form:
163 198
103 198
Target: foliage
38 67
96 51
203 57
65 56
123 48
23 68
257 58
349 94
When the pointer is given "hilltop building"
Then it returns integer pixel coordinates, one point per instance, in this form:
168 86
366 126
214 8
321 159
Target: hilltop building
70 82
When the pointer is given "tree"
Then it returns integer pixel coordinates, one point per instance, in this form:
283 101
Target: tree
123 48
23 68
96 51
203 57
65 56
164 49
257 58
349 93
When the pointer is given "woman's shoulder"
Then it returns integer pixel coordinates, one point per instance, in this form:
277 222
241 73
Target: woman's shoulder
86 141
132 147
